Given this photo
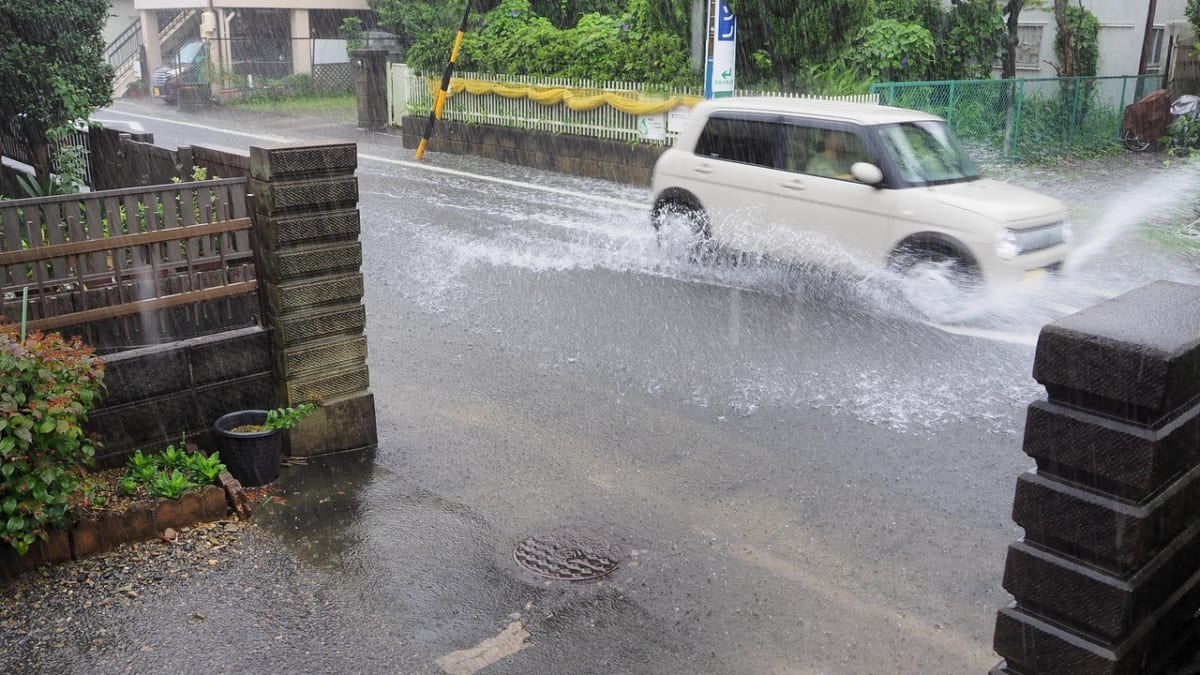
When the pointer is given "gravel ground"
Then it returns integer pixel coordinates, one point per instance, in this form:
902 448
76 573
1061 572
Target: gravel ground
68 607
142 608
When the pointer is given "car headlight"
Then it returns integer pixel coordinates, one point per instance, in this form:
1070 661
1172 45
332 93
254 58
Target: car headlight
1068 231
1007 246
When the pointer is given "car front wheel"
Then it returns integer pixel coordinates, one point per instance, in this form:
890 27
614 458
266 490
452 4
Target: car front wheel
940 286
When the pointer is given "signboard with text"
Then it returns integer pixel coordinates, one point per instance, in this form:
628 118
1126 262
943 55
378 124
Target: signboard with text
722 50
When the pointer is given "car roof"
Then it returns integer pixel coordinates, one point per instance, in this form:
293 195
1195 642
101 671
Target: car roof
859 113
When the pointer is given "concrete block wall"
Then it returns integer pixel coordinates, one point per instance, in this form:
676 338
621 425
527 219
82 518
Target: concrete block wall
1106 580
156 394
307 225
577 155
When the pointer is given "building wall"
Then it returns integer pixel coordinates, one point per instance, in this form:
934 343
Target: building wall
1122 27
120 15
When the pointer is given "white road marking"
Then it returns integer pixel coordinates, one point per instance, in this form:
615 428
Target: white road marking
193 125
981 333
470 661
400 162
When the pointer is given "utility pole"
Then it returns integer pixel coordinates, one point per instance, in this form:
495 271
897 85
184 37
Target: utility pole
1148 38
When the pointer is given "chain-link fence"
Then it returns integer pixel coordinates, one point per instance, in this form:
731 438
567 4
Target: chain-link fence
1026 119
262 66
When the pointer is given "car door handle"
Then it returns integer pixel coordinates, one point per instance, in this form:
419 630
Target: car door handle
703 168
793 185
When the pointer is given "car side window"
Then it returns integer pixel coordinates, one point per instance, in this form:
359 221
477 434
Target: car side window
824 152
745 141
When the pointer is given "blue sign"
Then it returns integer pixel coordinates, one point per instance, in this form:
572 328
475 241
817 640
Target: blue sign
726 24
722 50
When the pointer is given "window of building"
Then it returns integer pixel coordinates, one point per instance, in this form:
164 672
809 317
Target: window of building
1029 47
1157 36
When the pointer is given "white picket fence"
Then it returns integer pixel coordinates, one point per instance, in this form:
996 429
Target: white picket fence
409 94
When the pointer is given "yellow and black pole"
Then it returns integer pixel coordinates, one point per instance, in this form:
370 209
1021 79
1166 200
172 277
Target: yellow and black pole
439 102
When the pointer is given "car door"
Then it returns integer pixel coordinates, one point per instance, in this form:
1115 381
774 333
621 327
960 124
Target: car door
732 171
831 218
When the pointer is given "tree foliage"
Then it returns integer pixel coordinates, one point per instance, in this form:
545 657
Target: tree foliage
52 69
973 38
1076 42
888 50
815 45
514 39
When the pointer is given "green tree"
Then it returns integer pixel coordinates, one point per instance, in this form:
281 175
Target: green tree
52 70
791 34
974 36
1192 12
1076 42
411 19
512 39
888 50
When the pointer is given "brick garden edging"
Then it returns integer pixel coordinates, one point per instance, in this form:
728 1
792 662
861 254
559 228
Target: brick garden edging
139 523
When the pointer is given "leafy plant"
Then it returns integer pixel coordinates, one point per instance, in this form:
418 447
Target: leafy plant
158 472
893 51
351 30
279 418
172 458
204 469
170 485
47 387
1183 135
286 418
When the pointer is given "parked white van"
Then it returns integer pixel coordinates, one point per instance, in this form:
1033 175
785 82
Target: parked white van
839 183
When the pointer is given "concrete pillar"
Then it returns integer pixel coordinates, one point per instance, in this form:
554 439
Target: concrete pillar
1106 579
370 79
307 224
302 57
154 57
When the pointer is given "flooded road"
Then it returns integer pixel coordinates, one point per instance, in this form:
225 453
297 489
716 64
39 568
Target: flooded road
800 475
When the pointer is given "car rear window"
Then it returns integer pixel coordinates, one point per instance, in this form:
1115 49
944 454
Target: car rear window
746 141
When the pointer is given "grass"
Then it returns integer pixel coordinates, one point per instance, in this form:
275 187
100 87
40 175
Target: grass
1174 239
301 103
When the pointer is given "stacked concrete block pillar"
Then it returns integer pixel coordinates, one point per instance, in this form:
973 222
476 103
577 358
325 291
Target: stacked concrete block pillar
1106 580
307 224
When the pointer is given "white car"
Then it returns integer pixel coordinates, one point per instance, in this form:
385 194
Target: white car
854 187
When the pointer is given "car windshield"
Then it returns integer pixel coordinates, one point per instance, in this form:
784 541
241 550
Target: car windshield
927 153
190 53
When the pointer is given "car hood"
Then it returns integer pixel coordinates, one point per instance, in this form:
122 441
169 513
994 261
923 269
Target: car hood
1001 202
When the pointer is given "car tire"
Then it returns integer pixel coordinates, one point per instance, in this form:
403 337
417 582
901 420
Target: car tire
682 227
940 285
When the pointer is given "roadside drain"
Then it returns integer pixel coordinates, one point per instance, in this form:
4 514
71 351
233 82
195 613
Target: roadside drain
567 559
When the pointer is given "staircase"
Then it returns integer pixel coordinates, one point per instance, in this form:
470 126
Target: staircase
123 52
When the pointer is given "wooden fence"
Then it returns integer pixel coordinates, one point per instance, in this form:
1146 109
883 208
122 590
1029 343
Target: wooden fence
130 267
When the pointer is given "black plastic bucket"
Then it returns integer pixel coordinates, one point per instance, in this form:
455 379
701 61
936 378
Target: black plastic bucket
251 457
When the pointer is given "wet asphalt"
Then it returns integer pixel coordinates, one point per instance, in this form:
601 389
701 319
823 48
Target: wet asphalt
794 474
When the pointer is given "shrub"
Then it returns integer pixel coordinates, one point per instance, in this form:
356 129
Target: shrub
47 387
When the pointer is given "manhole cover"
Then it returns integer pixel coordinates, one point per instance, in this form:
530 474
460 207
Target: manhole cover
567 559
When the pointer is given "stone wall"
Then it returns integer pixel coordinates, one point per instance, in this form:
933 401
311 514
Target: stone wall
618 161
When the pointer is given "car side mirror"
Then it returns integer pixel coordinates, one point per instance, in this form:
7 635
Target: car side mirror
865 172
